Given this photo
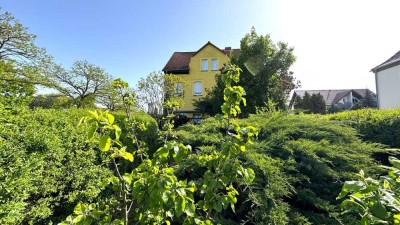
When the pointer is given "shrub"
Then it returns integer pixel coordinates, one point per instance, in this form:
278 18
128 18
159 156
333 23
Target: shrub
382 126
301 162
47 166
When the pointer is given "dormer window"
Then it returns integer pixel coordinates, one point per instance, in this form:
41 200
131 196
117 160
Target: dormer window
214 64
204 65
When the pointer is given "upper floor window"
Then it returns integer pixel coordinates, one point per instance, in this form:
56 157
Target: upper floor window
197 88
214 64
204 65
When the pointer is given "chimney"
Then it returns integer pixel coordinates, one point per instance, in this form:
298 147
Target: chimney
228 48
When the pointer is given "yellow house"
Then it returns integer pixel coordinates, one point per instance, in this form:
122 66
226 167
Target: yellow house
198 70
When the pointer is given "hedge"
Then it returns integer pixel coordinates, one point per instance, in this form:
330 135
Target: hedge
382 126
301 162
47 166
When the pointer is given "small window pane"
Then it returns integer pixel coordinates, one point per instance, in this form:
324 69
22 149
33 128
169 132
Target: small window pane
204 64
197 87
214 63
179 90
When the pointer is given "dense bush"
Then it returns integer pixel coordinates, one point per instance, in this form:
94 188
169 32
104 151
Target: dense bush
300 162
382 126
47 166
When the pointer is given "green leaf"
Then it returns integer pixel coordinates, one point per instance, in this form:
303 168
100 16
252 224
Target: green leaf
78 219
127 156
110 118
364 220
91 131
105 143
162 152
117 132
94 114
190 209
379 210
395 162
165 196
80 209
127 178
180 205
217 206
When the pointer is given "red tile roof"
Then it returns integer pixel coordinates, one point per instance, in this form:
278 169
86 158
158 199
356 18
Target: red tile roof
392 61
179 61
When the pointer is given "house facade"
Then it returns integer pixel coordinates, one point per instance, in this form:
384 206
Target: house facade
346 97
387 79
198 70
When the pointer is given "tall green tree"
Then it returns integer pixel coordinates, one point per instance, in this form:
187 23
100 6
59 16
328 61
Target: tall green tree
266 74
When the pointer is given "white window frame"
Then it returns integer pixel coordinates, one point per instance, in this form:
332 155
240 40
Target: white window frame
202 65
194 88
212 64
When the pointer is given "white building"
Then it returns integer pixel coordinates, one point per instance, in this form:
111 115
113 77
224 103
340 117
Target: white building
387 78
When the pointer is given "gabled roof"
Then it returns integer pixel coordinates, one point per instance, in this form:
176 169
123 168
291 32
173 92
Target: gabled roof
179 61
331 96
392 61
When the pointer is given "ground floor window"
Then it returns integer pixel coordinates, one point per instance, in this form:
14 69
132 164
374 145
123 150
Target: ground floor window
196 119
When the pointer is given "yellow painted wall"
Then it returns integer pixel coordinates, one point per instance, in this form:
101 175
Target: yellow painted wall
196 74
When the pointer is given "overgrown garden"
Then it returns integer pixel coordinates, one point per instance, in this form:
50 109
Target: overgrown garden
64 161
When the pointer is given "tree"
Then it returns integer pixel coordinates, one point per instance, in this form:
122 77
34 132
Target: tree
311 104
266 72
318 104
14 93
17 45
110 98
265 75
369 100
83 82
156 89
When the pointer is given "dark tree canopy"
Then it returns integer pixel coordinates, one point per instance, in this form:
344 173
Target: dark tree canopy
265 74
369 100
314 103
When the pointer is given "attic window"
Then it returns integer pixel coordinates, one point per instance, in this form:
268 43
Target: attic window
204 65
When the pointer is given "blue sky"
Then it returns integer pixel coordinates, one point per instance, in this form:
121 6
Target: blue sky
130 39
336 42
